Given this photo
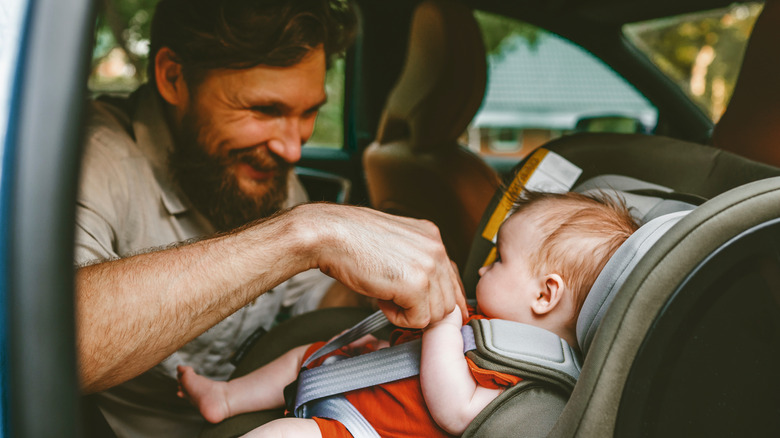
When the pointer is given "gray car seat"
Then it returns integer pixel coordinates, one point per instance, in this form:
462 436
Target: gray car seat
664 358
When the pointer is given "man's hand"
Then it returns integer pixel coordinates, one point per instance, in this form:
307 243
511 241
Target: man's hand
400 261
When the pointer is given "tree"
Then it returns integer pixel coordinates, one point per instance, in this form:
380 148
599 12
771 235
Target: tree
124 25
497 30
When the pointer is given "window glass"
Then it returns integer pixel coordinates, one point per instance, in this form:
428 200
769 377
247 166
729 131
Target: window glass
700 52
329 129
120 57
541 86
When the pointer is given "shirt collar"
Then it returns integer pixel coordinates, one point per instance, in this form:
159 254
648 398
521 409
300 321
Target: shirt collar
153 137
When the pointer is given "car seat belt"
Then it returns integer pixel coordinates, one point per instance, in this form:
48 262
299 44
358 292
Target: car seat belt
318 391
535 351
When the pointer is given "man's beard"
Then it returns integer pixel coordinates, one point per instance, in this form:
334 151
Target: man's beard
212 186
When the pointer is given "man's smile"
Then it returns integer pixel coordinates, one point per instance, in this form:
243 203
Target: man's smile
255 173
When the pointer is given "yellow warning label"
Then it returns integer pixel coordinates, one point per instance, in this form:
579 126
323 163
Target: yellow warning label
514 190
491 257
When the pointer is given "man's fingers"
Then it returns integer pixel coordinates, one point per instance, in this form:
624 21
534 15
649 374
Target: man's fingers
416 317
391 258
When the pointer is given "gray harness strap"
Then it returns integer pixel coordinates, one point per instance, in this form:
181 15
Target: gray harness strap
370 324
381 366
319 389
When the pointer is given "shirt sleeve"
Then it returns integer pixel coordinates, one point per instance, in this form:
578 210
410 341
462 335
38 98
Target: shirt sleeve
102 189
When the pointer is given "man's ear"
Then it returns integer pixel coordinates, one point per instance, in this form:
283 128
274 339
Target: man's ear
550 295
169 77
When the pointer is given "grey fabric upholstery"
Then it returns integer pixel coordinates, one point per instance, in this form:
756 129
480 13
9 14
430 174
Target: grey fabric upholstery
615 272
644 207
527 409
593 406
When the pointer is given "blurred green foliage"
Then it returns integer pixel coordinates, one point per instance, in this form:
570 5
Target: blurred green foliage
497 31
701 52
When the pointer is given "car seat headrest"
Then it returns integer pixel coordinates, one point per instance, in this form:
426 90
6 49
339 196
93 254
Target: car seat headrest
645 200
615 272
445 53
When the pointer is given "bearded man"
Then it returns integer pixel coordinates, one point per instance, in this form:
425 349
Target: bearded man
181 246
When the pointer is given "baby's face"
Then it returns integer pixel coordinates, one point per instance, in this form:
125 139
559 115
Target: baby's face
510 281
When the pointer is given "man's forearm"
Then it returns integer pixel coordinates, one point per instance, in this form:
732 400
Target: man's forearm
134 312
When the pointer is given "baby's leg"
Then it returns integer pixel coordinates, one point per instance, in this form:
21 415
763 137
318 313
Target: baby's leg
259 390
287 427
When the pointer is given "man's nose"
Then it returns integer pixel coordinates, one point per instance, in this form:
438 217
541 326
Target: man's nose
288 140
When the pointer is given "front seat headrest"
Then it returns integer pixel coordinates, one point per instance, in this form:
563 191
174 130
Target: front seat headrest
443 81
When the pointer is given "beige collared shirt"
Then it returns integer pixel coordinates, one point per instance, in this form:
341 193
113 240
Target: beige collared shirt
128 204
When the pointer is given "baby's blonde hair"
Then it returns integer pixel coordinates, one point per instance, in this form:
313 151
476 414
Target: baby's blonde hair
578 235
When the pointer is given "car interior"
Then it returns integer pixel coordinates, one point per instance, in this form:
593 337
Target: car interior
697 304
660 327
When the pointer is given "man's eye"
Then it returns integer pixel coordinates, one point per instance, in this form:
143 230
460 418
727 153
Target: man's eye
268 110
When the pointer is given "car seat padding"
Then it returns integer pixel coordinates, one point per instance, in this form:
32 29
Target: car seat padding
615 272
594 403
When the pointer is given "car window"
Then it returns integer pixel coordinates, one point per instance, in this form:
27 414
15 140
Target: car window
701 52
329 129
120 57
541 86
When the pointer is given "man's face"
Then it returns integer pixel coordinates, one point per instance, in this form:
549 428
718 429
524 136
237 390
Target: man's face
241 132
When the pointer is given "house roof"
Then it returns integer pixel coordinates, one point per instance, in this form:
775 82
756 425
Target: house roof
553 84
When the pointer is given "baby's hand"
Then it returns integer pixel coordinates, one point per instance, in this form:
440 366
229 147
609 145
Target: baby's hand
454 318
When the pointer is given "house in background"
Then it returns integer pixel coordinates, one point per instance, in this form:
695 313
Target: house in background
539 92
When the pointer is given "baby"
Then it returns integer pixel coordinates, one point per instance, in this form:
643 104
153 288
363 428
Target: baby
549 252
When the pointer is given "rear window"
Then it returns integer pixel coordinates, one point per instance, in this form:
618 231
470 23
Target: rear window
542 86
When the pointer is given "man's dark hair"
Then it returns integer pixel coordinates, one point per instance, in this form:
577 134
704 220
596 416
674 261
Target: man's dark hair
210 34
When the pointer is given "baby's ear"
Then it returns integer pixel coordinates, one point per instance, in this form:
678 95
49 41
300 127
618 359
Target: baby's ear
552 289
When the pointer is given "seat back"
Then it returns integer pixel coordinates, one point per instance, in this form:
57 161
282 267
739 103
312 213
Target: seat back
416 167
751 124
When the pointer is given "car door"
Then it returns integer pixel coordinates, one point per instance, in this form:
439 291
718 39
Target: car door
44 46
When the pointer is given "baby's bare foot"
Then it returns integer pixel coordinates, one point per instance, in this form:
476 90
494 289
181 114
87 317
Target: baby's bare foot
209 396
